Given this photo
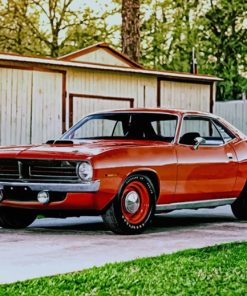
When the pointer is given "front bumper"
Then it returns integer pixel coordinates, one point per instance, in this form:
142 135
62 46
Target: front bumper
54 187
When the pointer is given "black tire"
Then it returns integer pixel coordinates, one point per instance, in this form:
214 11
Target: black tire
117 217
16 218
239 207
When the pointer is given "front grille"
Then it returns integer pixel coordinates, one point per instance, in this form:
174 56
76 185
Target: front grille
9 168
38 170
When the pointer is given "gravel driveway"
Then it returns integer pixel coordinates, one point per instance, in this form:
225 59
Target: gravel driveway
52 246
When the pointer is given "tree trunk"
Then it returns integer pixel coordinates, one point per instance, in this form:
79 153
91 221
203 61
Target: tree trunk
131 29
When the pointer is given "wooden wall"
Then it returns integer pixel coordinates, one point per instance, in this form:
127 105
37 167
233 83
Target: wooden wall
101 56
184 95
30 106
46 106
119 86
15 106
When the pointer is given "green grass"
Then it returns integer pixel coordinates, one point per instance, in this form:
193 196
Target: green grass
218 270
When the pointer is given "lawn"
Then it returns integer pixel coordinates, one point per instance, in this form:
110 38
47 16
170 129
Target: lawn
218 270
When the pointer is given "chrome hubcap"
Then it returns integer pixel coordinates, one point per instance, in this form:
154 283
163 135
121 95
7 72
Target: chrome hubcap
132 202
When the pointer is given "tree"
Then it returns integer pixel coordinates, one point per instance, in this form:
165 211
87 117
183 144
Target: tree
50 27
131 29
223 39
169 34
216 28
15 35
92 29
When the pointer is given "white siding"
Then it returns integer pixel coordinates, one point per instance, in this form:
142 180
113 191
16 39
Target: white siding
140 88
235 112
30 106
85 106
15 106
183 95
46 106
101 56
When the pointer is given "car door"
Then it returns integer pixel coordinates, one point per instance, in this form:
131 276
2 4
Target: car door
210 171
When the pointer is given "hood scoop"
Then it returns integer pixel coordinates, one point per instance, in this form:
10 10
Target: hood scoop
60 142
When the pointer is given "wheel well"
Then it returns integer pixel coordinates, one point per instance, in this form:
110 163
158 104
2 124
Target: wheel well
154 179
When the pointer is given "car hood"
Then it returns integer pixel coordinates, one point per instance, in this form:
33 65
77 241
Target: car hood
73 149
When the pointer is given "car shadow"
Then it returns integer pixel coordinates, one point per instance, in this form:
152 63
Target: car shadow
186 220
173 221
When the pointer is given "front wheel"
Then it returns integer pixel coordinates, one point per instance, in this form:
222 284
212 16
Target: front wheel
133 207
16 218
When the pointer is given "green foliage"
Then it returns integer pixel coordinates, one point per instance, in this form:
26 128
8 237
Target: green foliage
218 270
49 28
90 30
217 29
15 35
168 35
223 40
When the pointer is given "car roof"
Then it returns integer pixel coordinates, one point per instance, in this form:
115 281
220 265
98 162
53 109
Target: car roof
159 110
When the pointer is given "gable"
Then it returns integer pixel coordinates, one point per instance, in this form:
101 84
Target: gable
101 54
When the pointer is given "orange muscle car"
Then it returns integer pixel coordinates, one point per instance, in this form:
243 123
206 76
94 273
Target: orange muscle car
127 165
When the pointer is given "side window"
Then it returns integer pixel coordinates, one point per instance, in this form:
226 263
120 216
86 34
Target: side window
196 126
165 128
225 133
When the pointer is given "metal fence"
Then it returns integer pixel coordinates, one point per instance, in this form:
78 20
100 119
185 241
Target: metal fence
233 111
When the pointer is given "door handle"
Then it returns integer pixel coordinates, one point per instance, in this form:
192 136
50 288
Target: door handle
229 155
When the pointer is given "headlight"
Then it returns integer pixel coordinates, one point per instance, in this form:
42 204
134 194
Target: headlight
85 171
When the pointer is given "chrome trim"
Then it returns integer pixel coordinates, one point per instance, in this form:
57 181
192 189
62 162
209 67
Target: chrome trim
58 187
195 204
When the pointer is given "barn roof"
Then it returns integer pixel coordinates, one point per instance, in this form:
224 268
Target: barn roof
71 61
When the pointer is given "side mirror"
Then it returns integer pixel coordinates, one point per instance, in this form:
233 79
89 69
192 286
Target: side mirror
198 142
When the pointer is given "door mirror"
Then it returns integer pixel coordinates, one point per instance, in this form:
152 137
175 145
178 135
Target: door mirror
198 142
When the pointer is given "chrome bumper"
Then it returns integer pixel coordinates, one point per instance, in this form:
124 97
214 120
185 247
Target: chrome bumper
57 187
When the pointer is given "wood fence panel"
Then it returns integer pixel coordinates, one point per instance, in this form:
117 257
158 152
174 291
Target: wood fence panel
233 111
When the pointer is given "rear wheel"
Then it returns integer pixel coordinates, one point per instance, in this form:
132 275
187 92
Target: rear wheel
133 208
16 218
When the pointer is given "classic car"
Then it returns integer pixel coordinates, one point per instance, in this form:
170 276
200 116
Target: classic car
127 165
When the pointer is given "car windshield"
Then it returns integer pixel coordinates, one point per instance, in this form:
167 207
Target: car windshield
136 126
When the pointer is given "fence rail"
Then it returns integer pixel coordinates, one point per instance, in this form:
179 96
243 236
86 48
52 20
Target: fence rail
233 111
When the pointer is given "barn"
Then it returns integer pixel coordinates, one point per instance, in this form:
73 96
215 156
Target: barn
42 97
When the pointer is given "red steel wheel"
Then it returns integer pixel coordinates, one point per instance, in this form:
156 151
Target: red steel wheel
133 207
135 202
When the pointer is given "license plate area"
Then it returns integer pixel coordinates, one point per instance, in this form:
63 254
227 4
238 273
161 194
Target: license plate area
25 194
